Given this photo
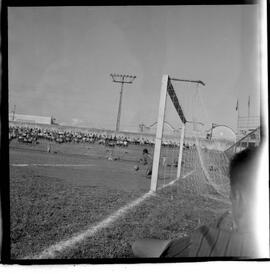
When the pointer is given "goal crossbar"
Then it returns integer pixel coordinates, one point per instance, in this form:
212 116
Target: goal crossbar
176 102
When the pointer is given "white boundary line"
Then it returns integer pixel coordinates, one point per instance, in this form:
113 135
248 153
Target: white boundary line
172 182
52 165
59 247
192 171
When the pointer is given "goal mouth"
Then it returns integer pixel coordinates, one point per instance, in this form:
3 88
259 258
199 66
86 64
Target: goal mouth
184 156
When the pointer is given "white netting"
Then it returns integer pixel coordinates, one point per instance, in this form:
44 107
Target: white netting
170 146
204 167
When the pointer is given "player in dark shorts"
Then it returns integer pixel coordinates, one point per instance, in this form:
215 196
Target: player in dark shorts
148 161
213 241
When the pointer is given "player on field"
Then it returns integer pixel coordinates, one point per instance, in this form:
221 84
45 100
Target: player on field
147 160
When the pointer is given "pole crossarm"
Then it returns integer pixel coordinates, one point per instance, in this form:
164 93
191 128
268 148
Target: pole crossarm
130 78
122 82
176 102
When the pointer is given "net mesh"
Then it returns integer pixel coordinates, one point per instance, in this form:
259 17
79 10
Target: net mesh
204 165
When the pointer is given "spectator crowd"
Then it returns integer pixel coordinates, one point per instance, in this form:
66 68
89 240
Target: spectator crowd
33 135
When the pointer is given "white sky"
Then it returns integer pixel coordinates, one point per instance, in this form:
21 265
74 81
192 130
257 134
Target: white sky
60 60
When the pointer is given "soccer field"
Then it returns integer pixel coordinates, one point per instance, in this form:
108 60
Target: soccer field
78 205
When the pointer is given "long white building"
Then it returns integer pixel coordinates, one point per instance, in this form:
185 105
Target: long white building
34 119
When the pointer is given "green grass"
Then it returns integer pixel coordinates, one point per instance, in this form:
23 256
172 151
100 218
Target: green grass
162 217
45 209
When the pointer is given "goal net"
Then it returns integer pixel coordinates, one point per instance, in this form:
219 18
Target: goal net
186 156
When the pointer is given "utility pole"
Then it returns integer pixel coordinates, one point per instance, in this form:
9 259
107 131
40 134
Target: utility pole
141 126
14 113
122 79
248 122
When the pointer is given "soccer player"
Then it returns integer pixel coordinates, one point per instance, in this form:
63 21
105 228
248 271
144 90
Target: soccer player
48 147
148 161
208 241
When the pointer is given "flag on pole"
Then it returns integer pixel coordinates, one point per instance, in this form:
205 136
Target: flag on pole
248 106
236 105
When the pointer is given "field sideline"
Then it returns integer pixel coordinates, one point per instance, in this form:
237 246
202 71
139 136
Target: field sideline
59 195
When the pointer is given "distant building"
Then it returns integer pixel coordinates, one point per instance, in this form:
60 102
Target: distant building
247 124
33 119
252 139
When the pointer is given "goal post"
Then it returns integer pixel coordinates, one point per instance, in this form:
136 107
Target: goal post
185 148
159 132
166 88
170 147
181 151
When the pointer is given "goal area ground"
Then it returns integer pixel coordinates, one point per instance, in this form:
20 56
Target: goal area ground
51 205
